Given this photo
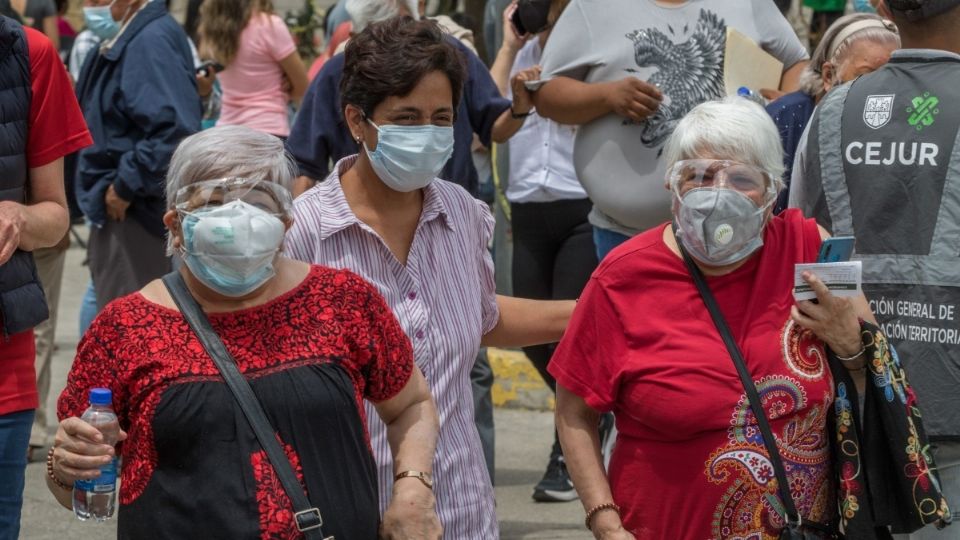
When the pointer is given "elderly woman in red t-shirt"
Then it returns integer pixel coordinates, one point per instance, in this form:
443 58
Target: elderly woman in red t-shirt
688 463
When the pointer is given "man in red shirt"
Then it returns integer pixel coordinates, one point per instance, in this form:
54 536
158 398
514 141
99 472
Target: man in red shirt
40 122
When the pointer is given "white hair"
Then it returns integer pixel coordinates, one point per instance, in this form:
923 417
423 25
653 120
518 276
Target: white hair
811 79
228 151
366 12
734 129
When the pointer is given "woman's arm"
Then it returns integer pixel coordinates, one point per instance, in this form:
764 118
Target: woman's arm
507 124
526 322
40 223
569 101
296 74
507 55
790 80
52 31
412 429
577 426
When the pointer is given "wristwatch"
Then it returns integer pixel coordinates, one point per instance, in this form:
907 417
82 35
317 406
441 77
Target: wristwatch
426 478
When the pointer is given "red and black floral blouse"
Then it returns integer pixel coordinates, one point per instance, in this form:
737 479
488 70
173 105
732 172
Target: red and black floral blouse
191 465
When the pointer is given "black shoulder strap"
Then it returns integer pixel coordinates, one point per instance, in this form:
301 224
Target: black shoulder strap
307 516
792 516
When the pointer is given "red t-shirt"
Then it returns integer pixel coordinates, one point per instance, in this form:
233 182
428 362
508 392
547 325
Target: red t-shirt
689 462
56 128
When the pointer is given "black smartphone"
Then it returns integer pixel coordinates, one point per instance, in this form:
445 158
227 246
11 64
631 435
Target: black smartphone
204 68
517 23
836 249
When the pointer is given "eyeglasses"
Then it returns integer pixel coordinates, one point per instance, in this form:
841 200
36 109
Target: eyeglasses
264 194
690 174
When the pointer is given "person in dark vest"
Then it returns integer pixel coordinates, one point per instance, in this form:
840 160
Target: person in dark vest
40 123
139 96
883 165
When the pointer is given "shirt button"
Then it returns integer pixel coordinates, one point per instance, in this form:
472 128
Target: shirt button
419 334
412 295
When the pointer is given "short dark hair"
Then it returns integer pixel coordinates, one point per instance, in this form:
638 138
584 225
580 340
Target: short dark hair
390 57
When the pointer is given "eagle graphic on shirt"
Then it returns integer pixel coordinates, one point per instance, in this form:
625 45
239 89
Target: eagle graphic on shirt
689 72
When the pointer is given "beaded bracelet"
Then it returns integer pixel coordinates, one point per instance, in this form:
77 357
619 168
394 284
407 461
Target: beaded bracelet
52 476
599 508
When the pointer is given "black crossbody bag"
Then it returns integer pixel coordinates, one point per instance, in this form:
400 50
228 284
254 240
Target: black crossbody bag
306 516
796 528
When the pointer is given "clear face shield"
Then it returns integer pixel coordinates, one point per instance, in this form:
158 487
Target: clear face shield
690 174
268 196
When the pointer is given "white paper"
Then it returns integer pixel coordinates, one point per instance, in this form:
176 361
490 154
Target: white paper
842 278
746 64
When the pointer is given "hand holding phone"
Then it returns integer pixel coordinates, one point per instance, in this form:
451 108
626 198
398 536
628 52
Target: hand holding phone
208 65
836 249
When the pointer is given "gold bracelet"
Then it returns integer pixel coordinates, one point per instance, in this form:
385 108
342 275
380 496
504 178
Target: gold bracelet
599 508
52 476
424 478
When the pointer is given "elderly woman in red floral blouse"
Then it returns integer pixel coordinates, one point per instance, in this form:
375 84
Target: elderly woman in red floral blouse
313 342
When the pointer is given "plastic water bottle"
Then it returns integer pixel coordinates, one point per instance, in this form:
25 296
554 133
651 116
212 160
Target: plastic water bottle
755 97
95 498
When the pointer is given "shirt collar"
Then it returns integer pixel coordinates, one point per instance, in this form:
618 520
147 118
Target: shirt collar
908 55
336 214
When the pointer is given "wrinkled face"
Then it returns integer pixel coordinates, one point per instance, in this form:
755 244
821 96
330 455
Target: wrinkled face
862 57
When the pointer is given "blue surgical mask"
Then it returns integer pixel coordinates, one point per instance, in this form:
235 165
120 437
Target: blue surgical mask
231 248
408 158
100 21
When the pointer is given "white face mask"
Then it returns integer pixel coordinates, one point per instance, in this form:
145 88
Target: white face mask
231 248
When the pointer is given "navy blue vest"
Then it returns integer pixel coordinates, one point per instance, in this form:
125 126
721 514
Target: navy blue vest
22 304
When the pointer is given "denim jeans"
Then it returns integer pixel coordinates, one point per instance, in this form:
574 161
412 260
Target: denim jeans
88 308
14 440
606 240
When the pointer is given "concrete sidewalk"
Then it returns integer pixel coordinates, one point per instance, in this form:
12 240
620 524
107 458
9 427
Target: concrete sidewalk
524 438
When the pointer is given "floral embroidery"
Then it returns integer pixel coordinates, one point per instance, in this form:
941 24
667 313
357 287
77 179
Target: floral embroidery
803 352
276 510
751 508
139 349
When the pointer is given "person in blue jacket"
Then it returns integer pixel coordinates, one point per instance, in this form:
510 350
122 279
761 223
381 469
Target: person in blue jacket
139 97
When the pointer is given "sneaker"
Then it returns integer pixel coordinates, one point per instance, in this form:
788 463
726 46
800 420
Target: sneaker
556 485
608 437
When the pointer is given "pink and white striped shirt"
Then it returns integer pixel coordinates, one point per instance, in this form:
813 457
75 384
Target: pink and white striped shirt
445 300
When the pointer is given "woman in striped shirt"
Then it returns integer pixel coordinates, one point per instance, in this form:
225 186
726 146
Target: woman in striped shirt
423 243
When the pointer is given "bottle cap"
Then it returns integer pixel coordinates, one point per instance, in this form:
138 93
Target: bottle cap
101 396
743 91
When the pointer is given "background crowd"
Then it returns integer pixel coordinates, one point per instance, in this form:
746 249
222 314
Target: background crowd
362 188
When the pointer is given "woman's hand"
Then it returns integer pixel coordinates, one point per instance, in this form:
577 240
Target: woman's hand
205 80
412 513
511 40
833 319
522 99
79 451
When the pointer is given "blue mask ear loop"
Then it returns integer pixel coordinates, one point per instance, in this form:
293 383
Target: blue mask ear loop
375 126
